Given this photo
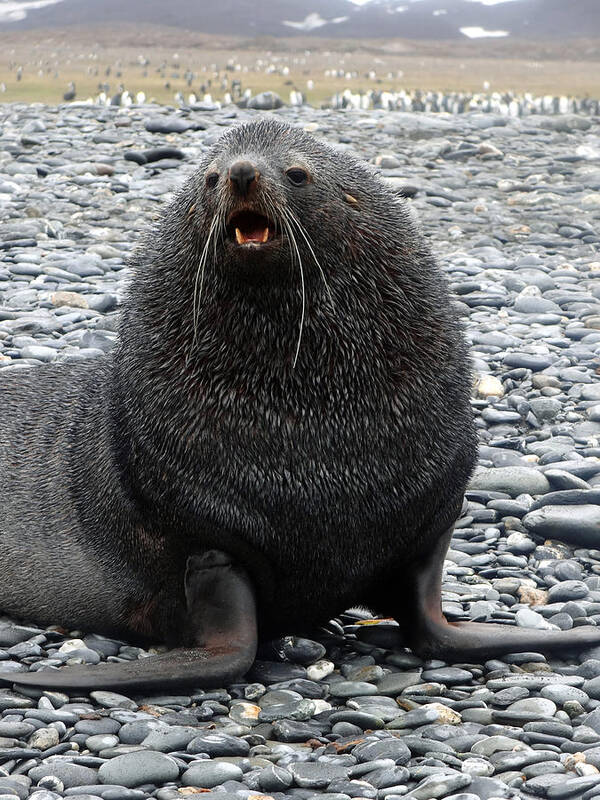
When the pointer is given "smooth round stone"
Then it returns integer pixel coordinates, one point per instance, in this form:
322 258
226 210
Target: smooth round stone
42 794
208 774
447 675
477 766
289 730
303 710
592 719
18 785
507 696
352 689
175 737
564 621
316 775
574 787
244 713
136 732
319 670
545 409
267 672
387 776
531 708
101 741
113 700
357 719
44 738
414 718
348 788
574 524
440 785
527 361
462 796
16 729
396 682
539 786
279 697
69 774
302 651
274 779
528 618
218 744
512 480
563 694
566 591
140 767
346 730
382 748
592 688
563 481
380 706
167 124
93 727
533 681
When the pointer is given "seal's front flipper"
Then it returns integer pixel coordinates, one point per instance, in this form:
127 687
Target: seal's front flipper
424 628
221 621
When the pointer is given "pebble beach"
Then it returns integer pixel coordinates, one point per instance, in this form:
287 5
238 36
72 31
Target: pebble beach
511 207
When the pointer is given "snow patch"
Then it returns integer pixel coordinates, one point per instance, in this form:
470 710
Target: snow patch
309 23
15 12
475 32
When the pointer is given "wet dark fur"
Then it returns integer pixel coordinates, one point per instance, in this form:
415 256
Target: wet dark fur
327 479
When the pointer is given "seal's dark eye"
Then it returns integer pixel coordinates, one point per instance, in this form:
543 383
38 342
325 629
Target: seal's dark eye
212 179
297 176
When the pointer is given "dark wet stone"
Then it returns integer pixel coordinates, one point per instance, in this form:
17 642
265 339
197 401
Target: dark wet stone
577 524
447 675
274 779
216 744
513 480
69 774
173 737
287 730
139 767
573 787
267 672
356 788
208 774
158 153
316 775
166 124
528 361
440 785
383 748
387 776
135 156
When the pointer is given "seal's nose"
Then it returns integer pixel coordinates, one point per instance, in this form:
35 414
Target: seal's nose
243 175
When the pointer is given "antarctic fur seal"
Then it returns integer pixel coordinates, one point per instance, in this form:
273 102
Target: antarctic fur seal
283 430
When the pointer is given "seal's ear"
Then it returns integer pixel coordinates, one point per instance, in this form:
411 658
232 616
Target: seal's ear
350 199
191 210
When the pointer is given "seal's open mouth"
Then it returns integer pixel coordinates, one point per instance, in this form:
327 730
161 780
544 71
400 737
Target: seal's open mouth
249 228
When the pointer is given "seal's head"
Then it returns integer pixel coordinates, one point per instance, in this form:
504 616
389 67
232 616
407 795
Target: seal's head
279 244
270 196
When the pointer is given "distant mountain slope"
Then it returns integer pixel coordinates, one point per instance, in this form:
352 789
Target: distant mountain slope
426 19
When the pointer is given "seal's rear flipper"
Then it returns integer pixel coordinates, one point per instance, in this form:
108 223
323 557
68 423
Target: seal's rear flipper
221 619
424 628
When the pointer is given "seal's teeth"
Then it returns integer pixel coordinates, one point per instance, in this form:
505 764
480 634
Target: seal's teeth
238 236
265 235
